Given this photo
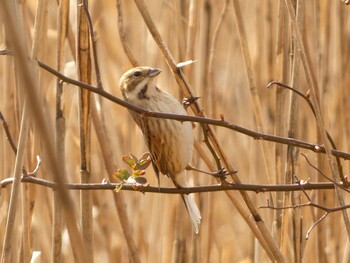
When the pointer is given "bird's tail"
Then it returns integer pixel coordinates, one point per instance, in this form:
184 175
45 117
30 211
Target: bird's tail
193 211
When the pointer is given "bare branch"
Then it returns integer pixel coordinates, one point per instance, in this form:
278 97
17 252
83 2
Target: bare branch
183 190
315 224
342 186
221 123
311 204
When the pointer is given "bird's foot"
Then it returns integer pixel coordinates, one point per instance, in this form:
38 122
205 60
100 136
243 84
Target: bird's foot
188 101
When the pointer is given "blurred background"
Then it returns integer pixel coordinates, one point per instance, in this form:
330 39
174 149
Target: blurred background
205 31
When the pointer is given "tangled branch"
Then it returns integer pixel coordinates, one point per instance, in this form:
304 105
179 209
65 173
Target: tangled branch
310 203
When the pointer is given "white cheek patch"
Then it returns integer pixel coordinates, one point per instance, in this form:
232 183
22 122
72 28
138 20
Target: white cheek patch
133 94
140 86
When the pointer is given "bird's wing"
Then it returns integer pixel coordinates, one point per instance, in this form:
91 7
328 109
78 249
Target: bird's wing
154 142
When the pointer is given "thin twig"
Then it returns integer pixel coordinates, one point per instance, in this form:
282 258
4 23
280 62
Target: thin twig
341 185
315 224
6 52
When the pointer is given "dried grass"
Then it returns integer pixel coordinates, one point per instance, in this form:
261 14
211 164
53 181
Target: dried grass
157 223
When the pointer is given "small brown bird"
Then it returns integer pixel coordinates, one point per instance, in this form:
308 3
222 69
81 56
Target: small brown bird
170 142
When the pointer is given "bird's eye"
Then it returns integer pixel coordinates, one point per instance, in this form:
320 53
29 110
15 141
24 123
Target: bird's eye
137 74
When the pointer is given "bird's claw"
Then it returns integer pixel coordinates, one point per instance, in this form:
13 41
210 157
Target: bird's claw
222 174
188 101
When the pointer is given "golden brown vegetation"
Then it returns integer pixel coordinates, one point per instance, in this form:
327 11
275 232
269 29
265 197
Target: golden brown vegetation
239 47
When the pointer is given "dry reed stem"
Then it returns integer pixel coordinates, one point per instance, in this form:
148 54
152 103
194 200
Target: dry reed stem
8 251
283 69
321 160
119 201
224 234
191 33
294 131
101 132
252 87
212 86
21 61
185 86
257 111
237 204
208 16
189 29
25 251
314 99
40 30
84 74
122 35
65 32
63 22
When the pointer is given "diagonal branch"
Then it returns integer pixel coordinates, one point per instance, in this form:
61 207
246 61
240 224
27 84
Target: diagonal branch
221 123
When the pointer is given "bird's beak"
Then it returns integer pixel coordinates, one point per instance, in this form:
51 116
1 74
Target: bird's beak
154 72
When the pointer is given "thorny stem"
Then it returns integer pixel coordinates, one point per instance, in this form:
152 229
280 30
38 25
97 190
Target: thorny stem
164 190
222 123
29 178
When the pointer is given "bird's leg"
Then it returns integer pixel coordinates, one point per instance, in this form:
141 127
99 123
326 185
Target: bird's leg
221 173
188 101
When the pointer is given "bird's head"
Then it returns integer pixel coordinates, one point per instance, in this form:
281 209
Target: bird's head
138 83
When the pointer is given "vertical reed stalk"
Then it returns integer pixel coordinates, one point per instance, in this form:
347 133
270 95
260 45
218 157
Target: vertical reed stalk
84 74
9 248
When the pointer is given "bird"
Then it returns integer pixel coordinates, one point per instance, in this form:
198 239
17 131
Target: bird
169 142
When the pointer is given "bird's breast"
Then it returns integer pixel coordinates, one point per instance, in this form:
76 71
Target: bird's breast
170 142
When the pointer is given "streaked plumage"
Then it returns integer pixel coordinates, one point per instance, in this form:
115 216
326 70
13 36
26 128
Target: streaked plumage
169 142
